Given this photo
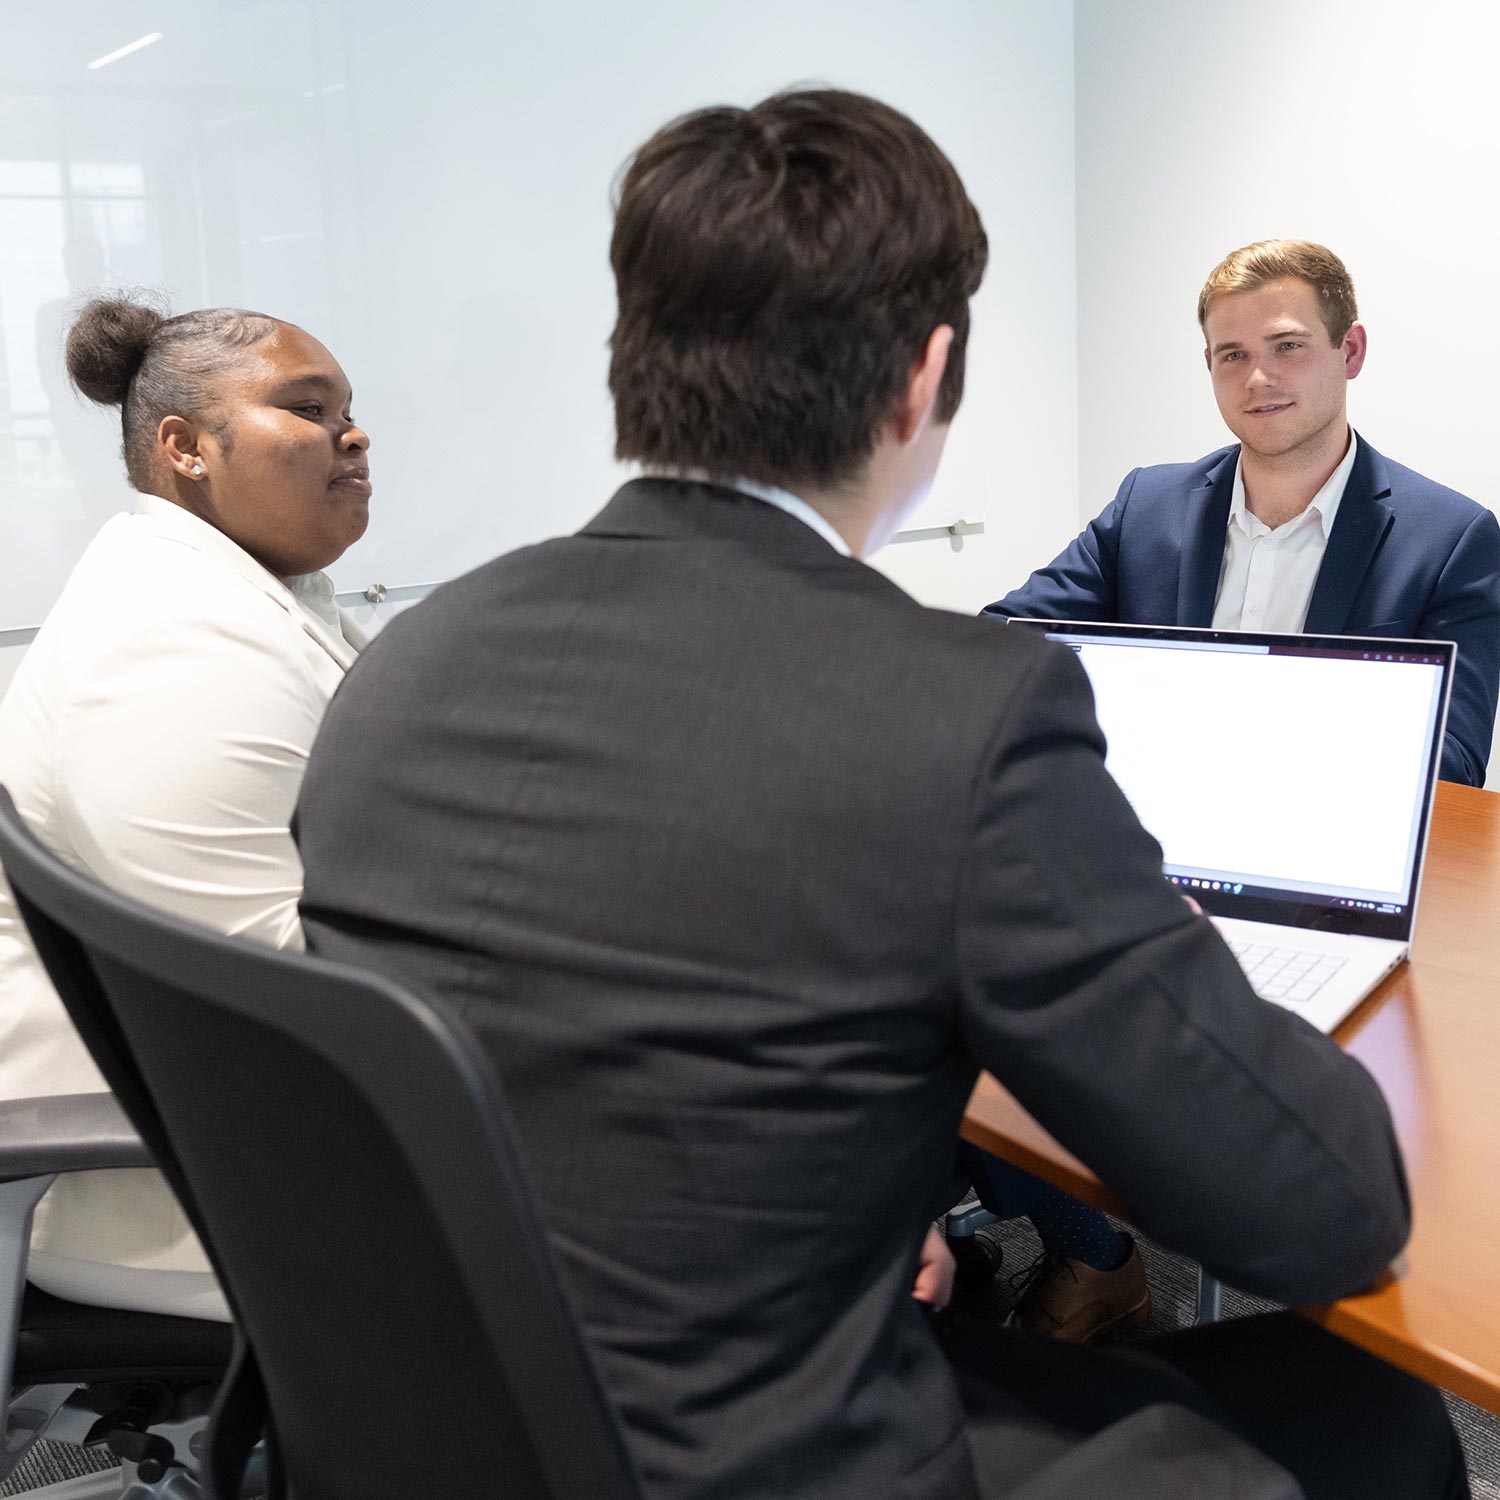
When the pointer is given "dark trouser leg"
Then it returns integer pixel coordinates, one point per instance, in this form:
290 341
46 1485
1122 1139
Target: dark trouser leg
1341 1420
1346 1425
1065 1226
1007 1191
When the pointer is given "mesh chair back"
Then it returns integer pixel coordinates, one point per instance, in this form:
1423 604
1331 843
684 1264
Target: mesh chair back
345 1152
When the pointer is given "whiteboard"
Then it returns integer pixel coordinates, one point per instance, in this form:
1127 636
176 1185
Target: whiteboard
428 191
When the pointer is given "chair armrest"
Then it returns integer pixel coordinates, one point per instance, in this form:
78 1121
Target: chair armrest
38 1139
66 1133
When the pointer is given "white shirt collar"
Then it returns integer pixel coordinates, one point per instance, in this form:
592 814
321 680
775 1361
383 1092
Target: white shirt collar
1325 504
781 499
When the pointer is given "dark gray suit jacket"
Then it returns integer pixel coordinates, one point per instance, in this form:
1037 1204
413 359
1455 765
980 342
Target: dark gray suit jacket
744 863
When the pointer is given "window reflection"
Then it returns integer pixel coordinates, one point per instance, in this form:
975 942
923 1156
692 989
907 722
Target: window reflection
218 169
65 229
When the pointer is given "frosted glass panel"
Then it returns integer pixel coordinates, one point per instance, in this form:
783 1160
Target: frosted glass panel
427 191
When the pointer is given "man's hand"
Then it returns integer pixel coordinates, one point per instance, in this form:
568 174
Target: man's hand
935 1270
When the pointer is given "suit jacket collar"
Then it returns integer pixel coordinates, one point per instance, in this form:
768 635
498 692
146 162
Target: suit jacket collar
1359 528
686 509
1204 532
1362 521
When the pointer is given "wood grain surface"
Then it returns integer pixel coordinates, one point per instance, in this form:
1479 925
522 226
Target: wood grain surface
1431 1036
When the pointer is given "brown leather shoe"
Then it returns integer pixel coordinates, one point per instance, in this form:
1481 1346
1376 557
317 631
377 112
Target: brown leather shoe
1069 1301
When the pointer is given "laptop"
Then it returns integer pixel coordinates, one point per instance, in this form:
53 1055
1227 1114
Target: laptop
1289 780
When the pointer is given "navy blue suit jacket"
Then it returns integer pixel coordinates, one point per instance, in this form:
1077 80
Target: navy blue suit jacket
1406 558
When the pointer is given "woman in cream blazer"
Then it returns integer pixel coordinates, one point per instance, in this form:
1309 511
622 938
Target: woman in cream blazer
156 731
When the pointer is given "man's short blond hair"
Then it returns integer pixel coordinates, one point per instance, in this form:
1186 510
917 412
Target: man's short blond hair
1266 261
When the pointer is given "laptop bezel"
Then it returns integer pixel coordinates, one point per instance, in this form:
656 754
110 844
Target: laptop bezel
1315 916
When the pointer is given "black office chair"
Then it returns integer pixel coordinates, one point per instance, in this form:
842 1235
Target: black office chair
344 1150
80 1375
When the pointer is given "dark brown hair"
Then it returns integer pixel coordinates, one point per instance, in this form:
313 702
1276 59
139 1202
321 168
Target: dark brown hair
779 271
124 352
1258 265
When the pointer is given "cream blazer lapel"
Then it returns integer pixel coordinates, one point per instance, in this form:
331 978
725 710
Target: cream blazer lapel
300 597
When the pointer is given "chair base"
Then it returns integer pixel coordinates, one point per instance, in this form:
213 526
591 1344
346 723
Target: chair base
63 1415
961 1222
123 1483
1210 1298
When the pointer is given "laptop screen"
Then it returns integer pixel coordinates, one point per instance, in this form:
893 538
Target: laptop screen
1287 778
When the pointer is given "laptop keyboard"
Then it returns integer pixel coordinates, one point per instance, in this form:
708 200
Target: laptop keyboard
1284 974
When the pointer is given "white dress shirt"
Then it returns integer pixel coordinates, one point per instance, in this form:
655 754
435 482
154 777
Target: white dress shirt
792 504
1267 578
155 736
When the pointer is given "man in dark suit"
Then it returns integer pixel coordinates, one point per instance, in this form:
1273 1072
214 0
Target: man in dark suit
1302 525
742 863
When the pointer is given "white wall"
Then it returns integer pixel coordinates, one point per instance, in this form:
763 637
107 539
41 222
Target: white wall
1368 125
966 573
430 195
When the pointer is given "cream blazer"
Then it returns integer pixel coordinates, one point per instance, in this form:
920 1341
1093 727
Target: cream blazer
155 736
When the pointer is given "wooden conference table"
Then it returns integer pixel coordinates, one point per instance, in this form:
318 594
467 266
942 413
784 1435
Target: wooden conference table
1431 1036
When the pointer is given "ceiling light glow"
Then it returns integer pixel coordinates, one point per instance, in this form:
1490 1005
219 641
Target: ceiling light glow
125 51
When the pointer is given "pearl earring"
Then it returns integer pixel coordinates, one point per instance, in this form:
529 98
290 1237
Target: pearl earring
197 468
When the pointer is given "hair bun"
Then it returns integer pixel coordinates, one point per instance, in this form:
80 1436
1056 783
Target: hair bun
106 345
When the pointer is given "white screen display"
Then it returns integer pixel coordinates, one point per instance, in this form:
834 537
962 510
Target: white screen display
1301 772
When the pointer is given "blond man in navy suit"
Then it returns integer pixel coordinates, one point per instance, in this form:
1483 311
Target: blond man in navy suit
1301 525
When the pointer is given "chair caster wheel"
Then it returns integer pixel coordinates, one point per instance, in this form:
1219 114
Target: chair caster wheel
977 1261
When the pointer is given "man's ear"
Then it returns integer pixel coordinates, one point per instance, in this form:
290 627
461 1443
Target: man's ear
1356 343
914 406
178 439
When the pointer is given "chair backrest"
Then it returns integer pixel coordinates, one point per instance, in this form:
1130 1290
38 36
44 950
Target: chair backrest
344 1150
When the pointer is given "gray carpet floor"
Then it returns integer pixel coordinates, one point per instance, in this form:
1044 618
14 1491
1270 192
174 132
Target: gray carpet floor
1173 1298
51 1463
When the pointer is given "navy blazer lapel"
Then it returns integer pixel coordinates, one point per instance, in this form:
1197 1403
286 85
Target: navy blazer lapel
1203 537
1362 520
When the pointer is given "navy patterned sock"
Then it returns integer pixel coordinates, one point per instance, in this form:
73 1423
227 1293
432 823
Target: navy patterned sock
1068 1227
